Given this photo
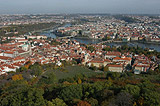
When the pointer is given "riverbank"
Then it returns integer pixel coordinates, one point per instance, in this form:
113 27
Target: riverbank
46 29
144 42
87 38
59 35
156 43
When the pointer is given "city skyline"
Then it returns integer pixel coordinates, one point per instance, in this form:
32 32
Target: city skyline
76 6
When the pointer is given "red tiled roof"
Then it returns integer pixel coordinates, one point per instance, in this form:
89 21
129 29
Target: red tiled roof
113 53
18 58
141 66
16 64
115 65
9 52
126 58
5 58
94 61
107 60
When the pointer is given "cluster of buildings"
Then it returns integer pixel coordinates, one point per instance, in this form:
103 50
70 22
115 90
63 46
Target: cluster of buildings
16 53
24 48
19 51
21 19
13 55
115 29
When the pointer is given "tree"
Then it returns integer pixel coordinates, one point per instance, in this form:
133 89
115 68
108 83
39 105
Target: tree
140 101
152 72
49 103
106 94
23 68
83 103
20 94
79 81
133 90
91 48
151 98
71 92
36 69
93 67
113 75
48 78
128 67
106 68
106 38
124 99
28 64
107 103
94 90
17 77
58 102
92 101
80 32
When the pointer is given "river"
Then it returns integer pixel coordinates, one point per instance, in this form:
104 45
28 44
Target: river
92 41
135 44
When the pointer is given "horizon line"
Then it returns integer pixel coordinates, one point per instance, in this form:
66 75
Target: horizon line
80 14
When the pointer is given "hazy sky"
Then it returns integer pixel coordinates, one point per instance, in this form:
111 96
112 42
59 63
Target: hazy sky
79 6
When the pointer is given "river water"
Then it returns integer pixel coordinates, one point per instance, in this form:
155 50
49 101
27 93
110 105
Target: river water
92 41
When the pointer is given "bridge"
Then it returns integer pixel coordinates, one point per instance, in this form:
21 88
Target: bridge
108 41
64 37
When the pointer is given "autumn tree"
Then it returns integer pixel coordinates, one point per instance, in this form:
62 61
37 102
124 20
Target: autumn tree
79 81
140 101
28 64
106 68
83 103
17 77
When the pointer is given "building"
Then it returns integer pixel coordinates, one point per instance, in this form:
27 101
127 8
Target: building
142 68
115 67
124 59
112 54
99 62
5 59
9 54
